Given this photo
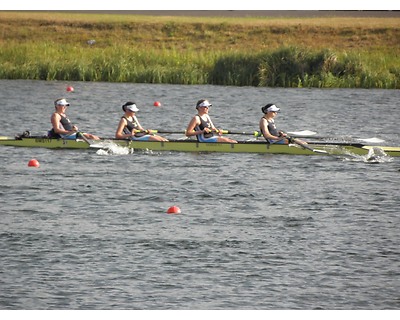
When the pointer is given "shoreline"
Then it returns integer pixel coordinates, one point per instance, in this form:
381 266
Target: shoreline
254 13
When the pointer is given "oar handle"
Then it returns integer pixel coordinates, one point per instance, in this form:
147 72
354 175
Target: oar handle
164 131
144 131
254 133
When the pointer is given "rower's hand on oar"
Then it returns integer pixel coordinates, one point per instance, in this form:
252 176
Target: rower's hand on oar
146 131
254 133
294 140
282 134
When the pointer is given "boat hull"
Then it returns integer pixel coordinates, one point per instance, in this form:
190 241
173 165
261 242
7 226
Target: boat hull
194 146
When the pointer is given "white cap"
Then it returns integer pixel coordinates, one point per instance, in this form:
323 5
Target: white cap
61 102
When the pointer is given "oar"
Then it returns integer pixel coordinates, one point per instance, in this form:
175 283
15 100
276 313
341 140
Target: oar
370 140
344 138
90 143
305 146
162 131
302 134
254 133
82 136
177 132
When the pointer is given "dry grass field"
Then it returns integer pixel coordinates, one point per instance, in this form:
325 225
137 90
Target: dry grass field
169 41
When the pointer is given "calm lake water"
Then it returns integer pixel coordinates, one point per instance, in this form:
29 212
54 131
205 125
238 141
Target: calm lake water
90 231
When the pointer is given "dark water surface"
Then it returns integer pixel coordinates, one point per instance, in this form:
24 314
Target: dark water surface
90 231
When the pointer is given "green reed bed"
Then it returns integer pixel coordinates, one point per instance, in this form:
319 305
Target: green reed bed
286 67
115 64
241 52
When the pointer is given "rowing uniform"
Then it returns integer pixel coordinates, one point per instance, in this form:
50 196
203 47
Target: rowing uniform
133 125
274 131
65 124
205 137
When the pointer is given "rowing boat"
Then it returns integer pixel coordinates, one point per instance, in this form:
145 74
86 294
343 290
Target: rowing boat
189 145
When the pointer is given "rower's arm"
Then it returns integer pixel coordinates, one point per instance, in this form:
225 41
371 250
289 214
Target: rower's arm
190 128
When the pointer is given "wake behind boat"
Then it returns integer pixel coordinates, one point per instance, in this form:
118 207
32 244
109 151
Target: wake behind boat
189 145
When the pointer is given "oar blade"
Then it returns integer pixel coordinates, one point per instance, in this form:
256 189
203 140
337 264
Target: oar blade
302 134
371 140
320 151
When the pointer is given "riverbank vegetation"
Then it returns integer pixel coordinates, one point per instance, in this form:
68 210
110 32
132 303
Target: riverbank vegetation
275 52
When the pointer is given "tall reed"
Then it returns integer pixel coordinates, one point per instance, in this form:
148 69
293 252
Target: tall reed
284 67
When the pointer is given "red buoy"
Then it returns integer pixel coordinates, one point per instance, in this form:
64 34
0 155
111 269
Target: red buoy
33 163
157 104
174 209
70 89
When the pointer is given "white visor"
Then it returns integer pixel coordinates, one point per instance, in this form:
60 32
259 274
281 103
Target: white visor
273 108
62 102
205 103
132 108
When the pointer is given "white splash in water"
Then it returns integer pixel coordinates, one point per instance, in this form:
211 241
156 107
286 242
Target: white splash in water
115 150
375 155
110 148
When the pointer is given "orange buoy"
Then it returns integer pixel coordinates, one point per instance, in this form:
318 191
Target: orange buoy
33 163
70 89
174 209
157 104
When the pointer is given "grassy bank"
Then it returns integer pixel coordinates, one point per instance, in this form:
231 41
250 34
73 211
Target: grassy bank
285 52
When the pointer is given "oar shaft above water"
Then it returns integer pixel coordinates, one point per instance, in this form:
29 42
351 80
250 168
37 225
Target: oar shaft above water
254 133
304 145
302 134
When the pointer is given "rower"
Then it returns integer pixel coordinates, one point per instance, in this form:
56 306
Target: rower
268 128
130 128
62 126
202 127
